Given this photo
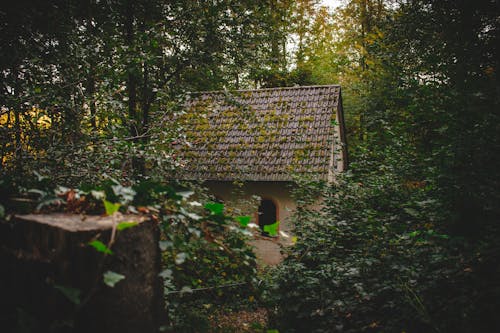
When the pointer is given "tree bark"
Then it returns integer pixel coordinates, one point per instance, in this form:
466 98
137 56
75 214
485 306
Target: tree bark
42 255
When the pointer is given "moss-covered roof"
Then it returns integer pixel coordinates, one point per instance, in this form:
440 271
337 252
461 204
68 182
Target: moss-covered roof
263 134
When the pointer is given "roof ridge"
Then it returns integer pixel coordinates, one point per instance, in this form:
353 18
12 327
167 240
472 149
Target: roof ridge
266 89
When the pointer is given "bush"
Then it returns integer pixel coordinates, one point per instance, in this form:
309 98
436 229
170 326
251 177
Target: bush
379 257
206 260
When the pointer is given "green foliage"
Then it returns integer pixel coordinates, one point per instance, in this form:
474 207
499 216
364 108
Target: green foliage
111 208
71 294
104 81
100 247
125 225
378 257
207 261
215 207
243 220
407 239
111 278
272 229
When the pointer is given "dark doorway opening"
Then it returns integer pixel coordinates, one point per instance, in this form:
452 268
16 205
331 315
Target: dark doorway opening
267 214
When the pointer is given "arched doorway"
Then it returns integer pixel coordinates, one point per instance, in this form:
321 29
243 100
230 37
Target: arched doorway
268 214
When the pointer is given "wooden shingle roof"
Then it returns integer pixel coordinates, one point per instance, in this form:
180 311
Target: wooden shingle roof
264 134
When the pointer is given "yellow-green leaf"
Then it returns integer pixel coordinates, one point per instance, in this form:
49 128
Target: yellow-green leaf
100 247
111 278
272 229
125 225
110 207
215 207
72 294
243 220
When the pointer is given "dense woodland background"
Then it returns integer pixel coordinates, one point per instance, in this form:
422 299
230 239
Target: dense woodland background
408 238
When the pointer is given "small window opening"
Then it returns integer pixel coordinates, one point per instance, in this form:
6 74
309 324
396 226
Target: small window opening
267 214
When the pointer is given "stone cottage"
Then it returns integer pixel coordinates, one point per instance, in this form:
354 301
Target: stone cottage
250 145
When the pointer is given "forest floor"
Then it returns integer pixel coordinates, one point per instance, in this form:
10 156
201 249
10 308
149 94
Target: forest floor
249 321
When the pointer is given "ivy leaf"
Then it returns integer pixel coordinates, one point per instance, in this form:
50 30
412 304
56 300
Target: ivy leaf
111 278
126 193
272 229
243 220
190 215
186 290
185 194
125 225
411 212
166 274
98 195
2 211
100 247
414 233
72 294
110 207
195 231
48 202
214 207
435 234
180 258
164 245
193 216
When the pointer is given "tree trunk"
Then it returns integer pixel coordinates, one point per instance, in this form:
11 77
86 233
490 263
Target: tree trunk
46 259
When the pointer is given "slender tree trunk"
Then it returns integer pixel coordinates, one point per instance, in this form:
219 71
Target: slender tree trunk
17 123
132 86
366 12
363 21
283 54
275 46
131 75
92 103
91 76
147 99
137 125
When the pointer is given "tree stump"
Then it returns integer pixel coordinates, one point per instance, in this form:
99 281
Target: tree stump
52 280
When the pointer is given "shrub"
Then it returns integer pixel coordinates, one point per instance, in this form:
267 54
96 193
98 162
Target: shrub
379 257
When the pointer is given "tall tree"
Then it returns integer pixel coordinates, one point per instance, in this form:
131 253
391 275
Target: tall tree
102 70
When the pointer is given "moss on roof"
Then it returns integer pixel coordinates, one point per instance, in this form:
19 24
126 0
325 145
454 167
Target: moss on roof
263 134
